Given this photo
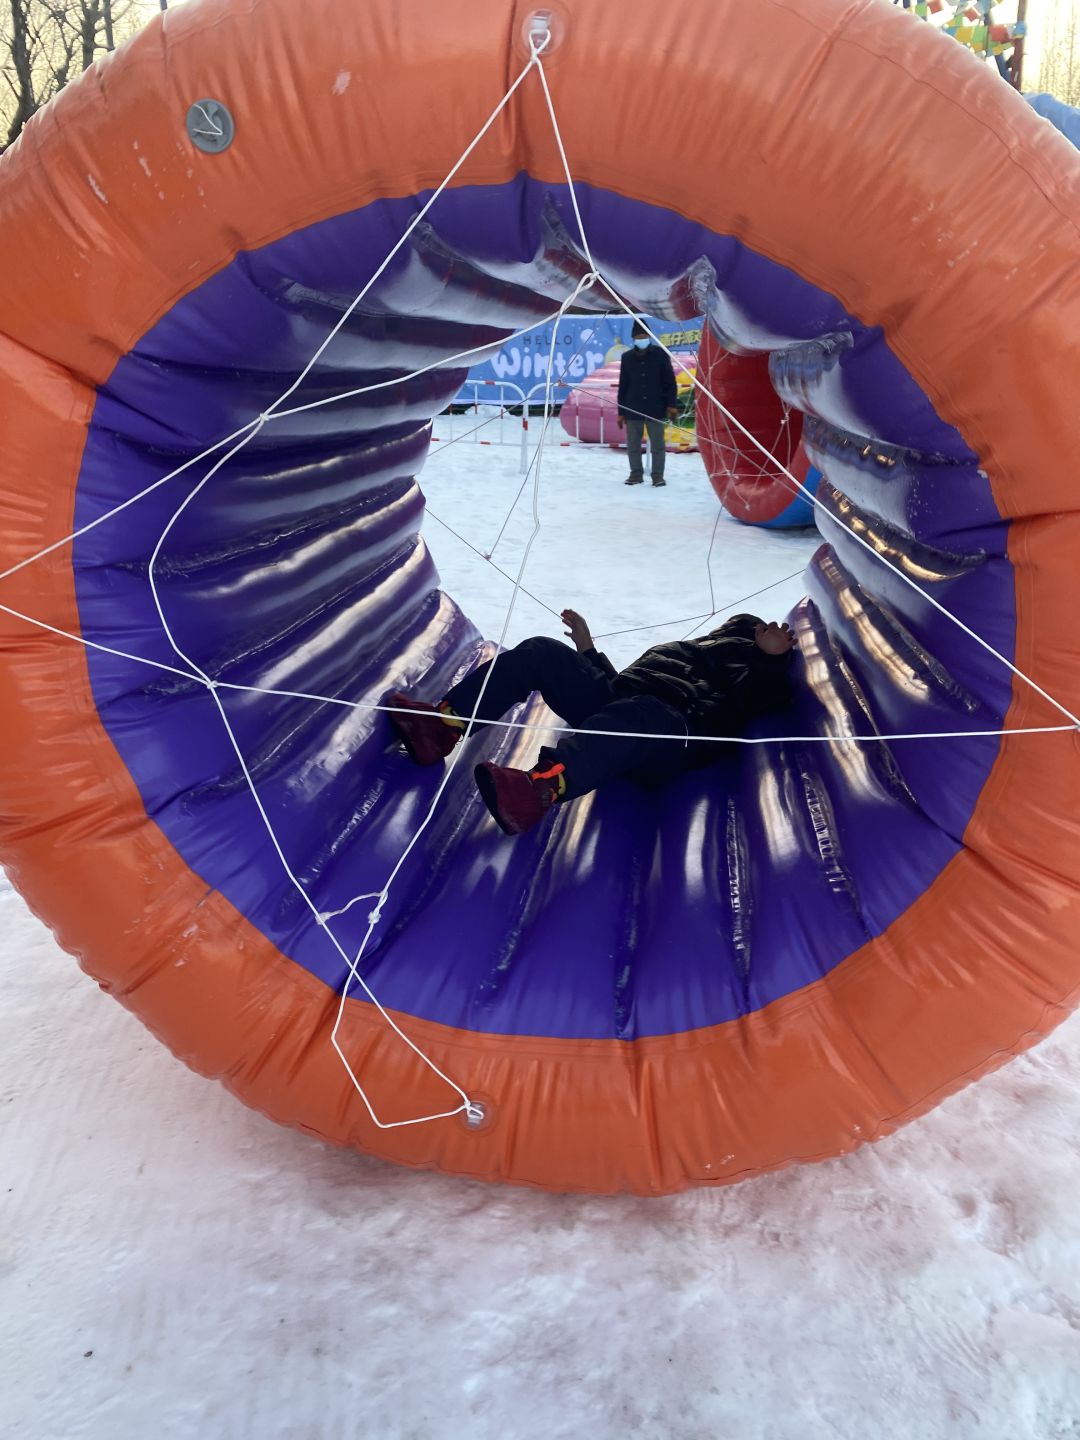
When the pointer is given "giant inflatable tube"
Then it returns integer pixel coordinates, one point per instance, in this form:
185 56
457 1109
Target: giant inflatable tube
774 959
737 407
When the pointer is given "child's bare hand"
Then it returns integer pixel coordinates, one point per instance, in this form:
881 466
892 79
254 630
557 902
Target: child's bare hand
577 630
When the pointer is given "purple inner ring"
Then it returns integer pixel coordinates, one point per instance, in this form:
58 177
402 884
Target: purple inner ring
299 566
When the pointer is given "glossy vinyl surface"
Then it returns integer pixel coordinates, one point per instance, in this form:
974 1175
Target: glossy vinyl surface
775 959
299 567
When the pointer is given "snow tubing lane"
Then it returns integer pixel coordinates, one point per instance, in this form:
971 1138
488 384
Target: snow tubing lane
773 960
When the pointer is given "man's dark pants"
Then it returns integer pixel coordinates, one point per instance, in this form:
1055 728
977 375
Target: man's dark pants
635 426
582 695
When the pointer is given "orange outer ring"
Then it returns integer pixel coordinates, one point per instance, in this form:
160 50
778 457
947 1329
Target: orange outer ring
814 100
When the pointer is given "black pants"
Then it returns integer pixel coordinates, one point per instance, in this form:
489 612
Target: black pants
584 697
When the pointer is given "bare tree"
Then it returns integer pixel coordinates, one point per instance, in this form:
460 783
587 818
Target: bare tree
1059 73
43 43
18 71
87 17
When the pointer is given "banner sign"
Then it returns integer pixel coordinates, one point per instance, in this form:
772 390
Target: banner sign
583 343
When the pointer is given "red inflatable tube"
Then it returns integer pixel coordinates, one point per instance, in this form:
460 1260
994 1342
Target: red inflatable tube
750 487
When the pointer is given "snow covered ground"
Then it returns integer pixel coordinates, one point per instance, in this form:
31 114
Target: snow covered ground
173 1265
630 560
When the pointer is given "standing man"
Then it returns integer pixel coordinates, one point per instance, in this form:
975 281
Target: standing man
647 393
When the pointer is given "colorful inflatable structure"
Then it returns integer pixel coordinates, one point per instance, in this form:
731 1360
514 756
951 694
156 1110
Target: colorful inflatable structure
972 23
209 462
591 412
741 442
1065 118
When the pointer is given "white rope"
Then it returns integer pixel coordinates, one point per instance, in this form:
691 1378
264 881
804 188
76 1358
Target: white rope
817 504
93 644
383 896
606 403
272 414
212 685
467 1105
457 439
547 729
733 420
752 740
708 559
536 52
243 437
548 386
216 131
247 433
416 220
723 610
449 360
498 568
326 915
472 720
131 500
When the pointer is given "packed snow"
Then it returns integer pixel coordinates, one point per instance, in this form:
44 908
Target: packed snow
641 563
174 1265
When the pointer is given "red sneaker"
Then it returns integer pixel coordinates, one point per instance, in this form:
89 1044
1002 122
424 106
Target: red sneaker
517 799
424 733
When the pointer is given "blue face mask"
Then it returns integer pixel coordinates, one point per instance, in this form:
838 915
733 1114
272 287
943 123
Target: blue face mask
643 343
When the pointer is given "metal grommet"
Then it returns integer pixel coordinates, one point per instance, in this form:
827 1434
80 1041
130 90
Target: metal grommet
210 126
544 29
480 1115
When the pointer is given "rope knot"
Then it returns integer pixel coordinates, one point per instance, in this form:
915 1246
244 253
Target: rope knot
475 1114
539 33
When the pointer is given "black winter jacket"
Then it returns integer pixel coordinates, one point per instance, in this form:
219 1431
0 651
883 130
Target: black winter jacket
646 384
719 683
